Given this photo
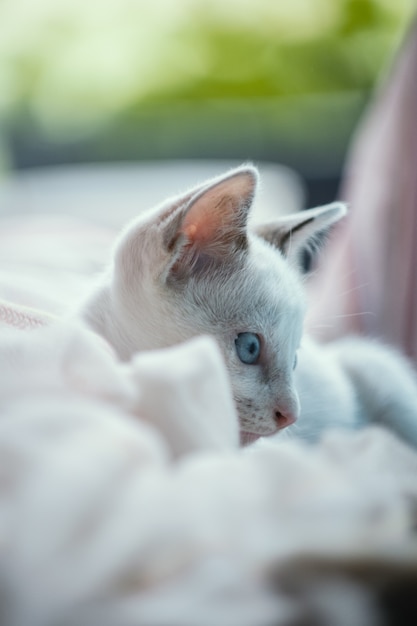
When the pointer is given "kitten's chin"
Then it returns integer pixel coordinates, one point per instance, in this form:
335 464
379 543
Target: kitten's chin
247 438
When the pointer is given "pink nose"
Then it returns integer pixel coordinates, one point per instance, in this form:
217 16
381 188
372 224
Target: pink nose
283 420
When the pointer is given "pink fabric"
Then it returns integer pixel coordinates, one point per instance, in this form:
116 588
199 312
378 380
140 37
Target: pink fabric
22 317
367 281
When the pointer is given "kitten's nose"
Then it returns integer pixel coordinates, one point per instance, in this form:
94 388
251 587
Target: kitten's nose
286 414
283 420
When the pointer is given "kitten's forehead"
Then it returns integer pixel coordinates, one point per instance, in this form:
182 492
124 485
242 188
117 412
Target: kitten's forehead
278 286
260 293
273 272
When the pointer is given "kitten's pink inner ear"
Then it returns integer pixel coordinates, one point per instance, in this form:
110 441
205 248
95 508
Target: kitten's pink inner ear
190 231
205 220
220 209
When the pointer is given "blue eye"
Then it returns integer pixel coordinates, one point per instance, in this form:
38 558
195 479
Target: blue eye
248 348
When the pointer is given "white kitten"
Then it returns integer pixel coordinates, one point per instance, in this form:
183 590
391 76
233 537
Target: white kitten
193 266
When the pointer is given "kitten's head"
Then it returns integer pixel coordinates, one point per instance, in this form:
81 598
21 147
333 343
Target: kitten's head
194 266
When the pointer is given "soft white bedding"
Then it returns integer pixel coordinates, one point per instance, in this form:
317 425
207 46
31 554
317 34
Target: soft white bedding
125 500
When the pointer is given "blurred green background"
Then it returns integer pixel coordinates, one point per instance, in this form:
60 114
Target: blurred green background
120 80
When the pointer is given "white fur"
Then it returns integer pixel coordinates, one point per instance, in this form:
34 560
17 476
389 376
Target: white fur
193 267
353 382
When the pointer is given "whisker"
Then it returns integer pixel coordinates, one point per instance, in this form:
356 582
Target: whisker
352 290
343 277
329 323
360 313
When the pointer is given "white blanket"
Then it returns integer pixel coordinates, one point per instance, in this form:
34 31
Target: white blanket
125 500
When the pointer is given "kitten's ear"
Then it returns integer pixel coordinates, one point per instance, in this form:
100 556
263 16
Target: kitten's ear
293 233
211 222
